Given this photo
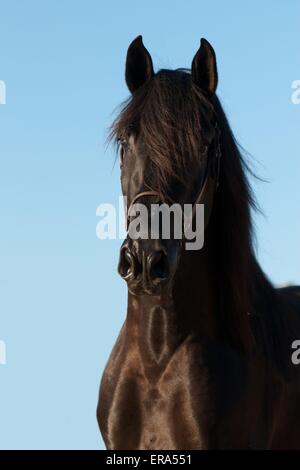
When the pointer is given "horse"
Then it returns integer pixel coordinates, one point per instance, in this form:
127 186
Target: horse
203 359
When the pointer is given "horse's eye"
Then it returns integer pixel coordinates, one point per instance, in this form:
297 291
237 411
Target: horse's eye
121 156
123 146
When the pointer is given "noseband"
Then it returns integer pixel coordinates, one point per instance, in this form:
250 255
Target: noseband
206 194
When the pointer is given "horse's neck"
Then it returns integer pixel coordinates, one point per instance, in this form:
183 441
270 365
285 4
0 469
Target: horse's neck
194 292
158 324
152 326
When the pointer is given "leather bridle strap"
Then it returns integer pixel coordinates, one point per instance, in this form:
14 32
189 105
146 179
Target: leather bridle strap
211 183
205 197
136 197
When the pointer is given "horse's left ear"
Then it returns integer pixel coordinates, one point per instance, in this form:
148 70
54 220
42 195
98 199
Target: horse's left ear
204 68
139 67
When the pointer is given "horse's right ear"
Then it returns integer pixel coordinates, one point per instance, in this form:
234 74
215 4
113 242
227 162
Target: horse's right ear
139 67
204 68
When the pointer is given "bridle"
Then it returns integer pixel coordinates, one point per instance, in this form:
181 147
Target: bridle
211 182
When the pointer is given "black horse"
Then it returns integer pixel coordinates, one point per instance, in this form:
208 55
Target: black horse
204 358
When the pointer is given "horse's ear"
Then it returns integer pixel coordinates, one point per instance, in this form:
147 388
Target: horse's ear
139 67
204 68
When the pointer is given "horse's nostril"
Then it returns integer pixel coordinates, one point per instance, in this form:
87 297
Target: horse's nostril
153 271
158 266
127 263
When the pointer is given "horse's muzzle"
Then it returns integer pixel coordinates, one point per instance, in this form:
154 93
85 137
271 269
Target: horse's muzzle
147 265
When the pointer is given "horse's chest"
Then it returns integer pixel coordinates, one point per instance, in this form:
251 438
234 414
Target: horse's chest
155 407
167 416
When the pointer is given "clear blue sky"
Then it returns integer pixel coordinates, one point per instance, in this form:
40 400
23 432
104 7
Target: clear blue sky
61 300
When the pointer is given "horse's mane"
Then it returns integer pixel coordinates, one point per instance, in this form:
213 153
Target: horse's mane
246 295
173 117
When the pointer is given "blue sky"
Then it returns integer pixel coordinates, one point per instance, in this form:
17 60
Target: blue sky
61 300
